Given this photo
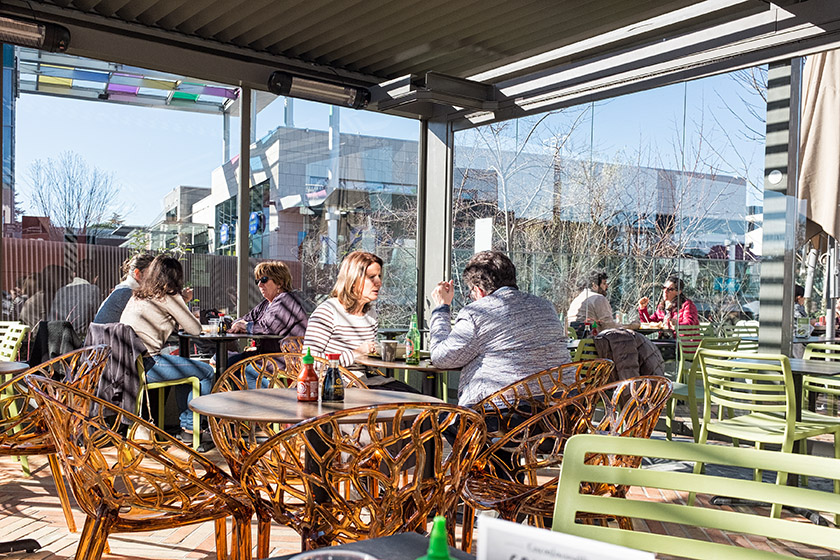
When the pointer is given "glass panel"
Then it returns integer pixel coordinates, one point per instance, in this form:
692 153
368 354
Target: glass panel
646 186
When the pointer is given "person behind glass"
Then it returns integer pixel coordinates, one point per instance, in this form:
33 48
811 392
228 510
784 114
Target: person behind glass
346 323
133 269
502 336
592 303
280 312
674 309
155 309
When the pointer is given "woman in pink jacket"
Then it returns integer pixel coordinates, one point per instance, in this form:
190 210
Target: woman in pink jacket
674 309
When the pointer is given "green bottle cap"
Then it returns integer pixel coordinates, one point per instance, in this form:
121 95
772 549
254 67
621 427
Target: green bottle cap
308 359
438 543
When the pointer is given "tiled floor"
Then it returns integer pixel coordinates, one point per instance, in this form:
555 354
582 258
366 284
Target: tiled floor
29 509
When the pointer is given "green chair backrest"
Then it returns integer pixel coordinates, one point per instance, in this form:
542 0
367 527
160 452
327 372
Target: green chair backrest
585 350
694 520
689 345
743 331
822 384
747 383
13 338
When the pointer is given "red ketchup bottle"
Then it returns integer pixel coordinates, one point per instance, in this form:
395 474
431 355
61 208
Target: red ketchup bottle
307 384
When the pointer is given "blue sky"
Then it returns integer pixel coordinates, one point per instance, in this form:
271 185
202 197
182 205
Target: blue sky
150 150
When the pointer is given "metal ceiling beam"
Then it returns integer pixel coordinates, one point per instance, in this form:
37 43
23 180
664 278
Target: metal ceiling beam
795 30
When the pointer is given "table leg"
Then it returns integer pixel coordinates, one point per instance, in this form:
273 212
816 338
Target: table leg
183 346
429 384
221 357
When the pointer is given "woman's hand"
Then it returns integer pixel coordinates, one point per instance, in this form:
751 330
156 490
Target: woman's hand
366 348
240 326
643 302
443 293
187 294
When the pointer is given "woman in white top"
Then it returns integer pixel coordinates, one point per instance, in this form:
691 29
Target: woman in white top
154 310
346 323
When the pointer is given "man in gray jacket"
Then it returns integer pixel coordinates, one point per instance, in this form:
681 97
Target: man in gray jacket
501 337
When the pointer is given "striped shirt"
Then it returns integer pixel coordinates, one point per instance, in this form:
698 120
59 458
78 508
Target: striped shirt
332 329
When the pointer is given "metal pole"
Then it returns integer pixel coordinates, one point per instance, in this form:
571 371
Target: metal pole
243 203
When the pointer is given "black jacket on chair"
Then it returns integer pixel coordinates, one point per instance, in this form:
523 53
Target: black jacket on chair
51 339
120 382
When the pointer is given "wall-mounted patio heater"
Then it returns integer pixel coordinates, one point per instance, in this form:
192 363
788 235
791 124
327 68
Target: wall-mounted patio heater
283 83
44 36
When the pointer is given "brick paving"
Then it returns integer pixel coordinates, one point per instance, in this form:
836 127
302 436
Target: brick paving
29 508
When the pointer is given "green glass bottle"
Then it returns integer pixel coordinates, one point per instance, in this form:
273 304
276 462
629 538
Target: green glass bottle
412 343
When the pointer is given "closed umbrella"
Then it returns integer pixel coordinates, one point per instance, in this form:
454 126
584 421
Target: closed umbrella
819 154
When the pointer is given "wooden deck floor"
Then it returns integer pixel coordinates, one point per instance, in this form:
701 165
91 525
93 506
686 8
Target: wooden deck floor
29 508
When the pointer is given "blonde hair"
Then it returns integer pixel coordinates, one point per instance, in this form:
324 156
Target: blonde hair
351 275
276 271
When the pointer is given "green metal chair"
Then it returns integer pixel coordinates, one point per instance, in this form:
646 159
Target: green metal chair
585 350
14 334
160 387
829 386
743 331
686 383
579 470
759 396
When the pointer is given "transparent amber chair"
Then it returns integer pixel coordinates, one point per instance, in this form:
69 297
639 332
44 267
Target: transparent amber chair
23 428
512 475
236 439
144 480
365 472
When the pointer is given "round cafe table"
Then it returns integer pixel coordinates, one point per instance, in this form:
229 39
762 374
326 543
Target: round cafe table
282 406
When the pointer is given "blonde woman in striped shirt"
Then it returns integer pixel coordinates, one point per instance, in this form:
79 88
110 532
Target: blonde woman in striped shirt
346 323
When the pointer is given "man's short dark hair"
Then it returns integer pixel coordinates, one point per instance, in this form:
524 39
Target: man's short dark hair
799 291
594 278
490 270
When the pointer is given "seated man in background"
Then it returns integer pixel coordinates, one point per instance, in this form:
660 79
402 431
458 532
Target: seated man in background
502 336
592 303
113 306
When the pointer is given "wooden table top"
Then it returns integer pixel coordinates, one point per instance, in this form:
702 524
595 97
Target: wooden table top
13 367
282 406
424 365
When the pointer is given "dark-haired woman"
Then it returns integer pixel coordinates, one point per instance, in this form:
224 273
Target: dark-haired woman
674 309
154 311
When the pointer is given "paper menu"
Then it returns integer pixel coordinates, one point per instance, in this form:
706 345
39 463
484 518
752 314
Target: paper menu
503 540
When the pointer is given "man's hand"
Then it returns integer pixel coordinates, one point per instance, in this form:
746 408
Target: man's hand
240 326
443 293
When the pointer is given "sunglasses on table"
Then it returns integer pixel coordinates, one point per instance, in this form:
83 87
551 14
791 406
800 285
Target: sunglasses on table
262 280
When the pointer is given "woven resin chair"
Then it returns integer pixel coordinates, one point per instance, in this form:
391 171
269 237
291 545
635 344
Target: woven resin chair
292 344
143 481
510 475
365 472
761 404
679 528
23 428
276 369
685 387
236 440
828 386
507 408
529 395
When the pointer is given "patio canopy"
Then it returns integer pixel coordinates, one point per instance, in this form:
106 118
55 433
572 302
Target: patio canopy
465 60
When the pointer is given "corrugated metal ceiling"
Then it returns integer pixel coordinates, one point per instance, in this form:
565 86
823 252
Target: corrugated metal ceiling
382 40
